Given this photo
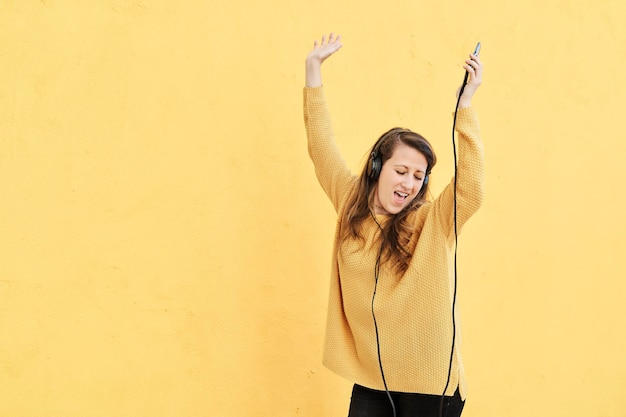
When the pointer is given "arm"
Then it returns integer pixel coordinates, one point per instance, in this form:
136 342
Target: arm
332 172
470 167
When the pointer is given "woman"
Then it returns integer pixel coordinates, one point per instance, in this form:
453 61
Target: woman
389 326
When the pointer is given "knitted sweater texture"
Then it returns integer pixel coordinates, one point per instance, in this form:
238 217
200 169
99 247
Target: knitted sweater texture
413 310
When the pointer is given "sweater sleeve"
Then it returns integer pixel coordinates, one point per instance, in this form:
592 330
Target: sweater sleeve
470 176
332 172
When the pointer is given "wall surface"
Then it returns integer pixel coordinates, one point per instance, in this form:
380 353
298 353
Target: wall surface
164 245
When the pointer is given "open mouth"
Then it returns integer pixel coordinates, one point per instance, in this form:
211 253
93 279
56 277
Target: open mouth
399 196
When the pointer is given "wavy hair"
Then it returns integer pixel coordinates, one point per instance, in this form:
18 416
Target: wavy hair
396 233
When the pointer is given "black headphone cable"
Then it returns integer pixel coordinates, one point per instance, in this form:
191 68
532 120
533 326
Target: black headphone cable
376 276
456 239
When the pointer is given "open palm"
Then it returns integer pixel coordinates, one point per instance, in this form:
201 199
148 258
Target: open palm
325 48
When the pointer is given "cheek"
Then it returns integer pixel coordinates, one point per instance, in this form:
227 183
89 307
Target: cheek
385 180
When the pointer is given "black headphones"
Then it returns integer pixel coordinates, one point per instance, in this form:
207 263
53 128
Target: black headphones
375 163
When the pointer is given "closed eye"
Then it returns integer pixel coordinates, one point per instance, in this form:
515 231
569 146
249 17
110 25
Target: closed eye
417 177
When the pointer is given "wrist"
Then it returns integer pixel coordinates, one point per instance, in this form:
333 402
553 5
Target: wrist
464 103
313 72
313 62
466 97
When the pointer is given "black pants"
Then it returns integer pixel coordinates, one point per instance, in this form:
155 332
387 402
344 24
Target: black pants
368 402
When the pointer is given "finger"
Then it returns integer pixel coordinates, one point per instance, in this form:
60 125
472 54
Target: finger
476 60
471 72
475 64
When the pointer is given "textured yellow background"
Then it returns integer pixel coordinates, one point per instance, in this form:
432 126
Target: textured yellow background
164 246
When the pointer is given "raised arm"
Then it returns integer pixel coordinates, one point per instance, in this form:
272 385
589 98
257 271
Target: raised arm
470 166
332 172
317 56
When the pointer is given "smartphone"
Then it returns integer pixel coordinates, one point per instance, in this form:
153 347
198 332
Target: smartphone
477 50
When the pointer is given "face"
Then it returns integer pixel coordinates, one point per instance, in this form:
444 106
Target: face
401 178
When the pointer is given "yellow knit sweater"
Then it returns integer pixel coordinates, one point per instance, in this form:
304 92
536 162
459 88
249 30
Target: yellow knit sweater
414 310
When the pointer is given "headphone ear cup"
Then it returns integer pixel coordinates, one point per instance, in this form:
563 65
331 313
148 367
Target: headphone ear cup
425 180
374 166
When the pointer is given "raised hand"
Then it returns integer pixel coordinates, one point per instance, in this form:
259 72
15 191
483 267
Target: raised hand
474 68
324 49
317 56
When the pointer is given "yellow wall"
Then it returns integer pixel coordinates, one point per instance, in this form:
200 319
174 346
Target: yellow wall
164 246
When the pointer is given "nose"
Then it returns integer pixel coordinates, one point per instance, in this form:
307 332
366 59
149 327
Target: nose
408 182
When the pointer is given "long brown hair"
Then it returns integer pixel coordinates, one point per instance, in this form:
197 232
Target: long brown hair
396 233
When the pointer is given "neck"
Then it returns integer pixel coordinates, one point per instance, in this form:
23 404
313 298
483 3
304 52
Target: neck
378 209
